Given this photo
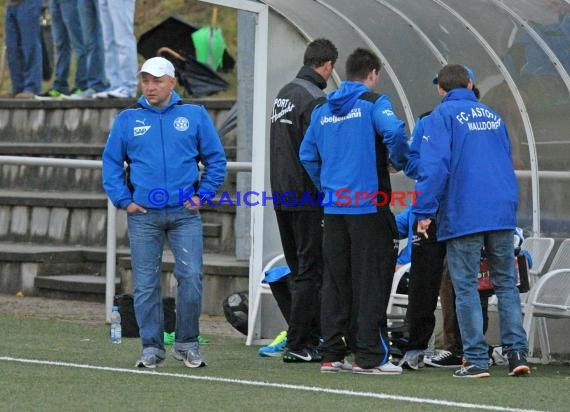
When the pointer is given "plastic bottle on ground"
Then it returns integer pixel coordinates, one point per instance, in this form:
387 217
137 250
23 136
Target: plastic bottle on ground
116 332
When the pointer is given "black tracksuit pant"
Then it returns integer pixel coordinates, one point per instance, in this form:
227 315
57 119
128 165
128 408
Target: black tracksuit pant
359 257
423 289
299 299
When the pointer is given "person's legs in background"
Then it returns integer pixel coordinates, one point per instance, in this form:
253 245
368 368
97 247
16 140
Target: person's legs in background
452 354
121 14
71 21
112 68
23 47
425 279
93 40
62 45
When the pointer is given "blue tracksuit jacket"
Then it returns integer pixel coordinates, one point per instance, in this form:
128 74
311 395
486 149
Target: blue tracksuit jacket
344 148
466 173
163 148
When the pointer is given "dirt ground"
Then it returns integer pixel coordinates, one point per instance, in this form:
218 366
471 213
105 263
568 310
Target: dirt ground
92 312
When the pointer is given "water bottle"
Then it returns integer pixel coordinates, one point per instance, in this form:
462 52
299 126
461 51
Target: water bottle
116 332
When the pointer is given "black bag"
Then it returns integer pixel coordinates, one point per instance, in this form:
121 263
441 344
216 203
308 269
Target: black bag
129 326
235 308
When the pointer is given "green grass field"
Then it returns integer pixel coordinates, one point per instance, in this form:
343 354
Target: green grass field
55 365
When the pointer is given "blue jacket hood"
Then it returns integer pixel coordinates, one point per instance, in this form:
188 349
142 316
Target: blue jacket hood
343 99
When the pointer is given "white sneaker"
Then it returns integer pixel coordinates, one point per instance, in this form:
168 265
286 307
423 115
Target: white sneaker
120 93
101 95
387 369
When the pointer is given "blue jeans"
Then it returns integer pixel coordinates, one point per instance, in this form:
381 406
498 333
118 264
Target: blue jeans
66 30
23 46
117 21
147 234
93 40
463 258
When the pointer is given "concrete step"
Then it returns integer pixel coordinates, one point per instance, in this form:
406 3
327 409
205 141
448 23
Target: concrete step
85 121
84 283
223 275
81 219
75 150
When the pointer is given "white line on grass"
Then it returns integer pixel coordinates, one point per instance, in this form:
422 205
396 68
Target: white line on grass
272 385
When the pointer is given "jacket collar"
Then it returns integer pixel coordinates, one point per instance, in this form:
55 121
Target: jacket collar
174 100
459 94
309 74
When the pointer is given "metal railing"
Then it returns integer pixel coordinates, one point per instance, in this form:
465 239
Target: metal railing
111 249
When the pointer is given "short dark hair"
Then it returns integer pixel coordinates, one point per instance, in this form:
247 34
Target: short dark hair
360 63
453 76
319 52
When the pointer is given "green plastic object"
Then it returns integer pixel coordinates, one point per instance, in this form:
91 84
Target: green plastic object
169 339
210 45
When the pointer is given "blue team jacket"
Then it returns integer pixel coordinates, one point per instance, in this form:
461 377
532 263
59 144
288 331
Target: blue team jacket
340 148
466 173
163 148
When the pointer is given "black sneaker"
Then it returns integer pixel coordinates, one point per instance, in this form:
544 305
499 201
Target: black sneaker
304 355
468 370
518 365
444 359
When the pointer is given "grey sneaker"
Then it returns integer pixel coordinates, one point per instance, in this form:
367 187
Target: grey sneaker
468 370
85 94
336 366
150 361
192 357
413 359
387 369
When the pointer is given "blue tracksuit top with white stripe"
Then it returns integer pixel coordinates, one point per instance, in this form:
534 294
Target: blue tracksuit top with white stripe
344 149
162 147
466 173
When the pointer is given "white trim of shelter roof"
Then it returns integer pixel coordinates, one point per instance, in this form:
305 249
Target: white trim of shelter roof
522 108
389 70
258 142
432 47
306 35
540 41
246 5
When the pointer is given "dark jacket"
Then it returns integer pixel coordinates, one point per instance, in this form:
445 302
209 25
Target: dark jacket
289 121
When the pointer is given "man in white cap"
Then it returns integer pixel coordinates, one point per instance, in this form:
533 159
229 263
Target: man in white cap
162 140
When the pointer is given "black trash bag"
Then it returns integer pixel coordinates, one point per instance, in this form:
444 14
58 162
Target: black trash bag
236 308
129 326
196 78
175 33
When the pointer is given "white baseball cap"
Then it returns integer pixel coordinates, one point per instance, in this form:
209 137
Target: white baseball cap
158 67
